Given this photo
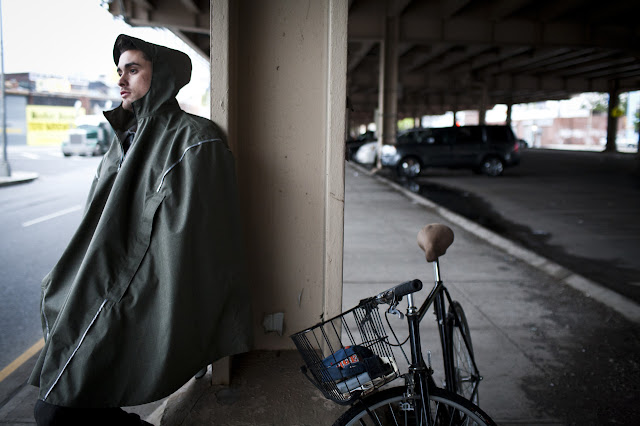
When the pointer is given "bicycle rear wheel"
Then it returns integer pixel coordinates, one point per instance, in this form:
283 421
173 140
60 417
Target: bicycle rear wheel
467 377
391 407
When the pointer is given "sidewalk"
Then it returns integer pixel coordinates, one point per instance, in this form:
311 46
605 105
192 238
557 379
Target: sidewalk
543 339
17 178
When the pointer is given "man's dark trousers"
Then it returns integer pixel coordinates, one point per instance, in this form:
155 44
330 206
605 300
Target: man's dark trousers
54 415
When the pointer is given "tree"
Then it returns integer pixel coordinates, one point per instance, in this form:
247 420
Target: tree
597 103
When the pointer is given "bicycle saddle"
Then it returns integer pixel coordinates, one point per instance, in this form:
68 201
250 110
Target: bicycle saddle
434 239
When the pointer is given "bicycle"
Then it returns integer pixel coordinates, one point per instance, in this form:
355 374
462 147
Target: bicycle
349 357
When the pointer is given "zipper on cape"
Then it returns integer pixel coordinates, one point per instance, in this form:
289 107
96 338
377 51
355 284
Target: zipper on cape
122 155
180 160
46 321
104 302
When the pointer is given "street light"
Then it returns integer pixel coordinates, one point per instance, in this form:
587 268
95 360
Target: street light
5 169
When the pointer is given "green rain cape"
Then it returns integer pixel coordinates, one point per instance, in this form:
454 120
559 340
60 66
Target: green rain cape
152 285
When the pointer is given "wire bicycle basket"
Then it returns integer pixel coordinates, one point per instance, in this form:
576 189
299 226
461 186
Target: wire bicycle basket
348 355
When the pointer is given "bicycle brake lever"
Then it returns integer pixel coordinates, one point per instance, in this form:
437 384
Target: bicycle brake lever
392 310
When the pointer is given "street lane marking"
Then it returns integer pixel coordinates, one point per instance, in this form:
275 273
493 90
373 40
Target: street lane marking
21 359
52 215
30 155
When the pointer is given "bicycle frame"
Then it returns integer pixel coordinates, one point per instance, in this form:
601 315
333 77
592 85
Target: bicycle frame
422 375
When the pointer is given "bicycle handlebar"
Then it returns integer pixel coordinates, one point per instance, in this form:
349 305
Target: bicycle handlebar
398 292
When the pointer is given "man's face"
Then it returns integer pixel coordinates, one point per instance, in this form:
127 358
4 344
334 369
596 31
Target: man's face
135 76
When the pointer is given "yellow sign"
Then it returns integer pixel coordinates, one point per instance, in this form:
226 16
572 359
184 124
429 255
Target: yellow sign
48 125
617 112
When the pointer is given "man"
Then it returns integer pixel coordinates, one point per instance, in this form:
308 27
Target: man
151 287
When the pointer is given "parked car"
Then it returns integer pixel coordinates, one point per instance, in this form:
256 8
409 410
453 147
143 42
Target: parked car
484 149
523 144
353 145
87 139
367 154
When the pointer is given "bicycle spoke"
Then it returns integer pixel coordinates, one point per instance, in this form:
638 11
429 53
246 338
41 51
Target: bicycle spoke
466 378
377 419
392 408
395 420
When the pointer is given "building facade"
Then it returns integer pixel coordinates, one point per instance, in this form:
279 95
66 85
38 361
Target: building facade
42 108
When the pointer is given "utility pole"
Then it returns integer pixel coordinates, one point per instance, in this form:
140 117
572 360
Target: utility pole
5 169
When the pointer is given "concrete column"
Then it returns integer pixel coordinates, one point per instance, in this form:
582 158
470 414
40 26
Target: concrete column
223 105
455 109
612 118
482 111
278 85
509 106
388 85
223 58
377 119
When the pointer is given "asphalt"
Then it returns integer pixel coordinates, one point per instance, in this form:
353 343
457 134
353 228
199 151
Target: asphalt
554 347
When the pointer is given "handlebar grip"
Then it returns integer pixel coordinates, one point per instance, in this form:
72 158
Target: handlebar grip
405 288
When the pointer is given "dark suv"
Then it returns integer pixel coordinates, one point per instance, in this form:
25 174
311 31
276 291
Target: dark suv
484 149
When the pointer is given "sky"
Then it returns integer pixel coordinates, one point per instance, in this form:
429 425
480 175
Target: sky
74 38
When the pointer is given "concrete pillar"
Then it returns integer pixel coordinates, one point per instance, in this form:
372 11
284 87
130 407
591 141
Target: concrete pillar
508 121
347 123
455 109
612 118
388 84
482 110
278 89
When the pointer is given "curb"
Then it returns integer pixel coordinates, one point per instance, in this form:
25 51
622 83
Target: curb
17 178
621 304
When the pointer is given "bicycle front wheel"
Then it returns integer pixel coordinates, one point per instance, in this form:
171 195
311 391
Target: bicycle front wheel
392 407
467 377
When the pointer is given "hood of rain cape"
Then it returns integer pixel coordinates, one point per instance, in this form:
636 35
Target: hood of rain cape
151 287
